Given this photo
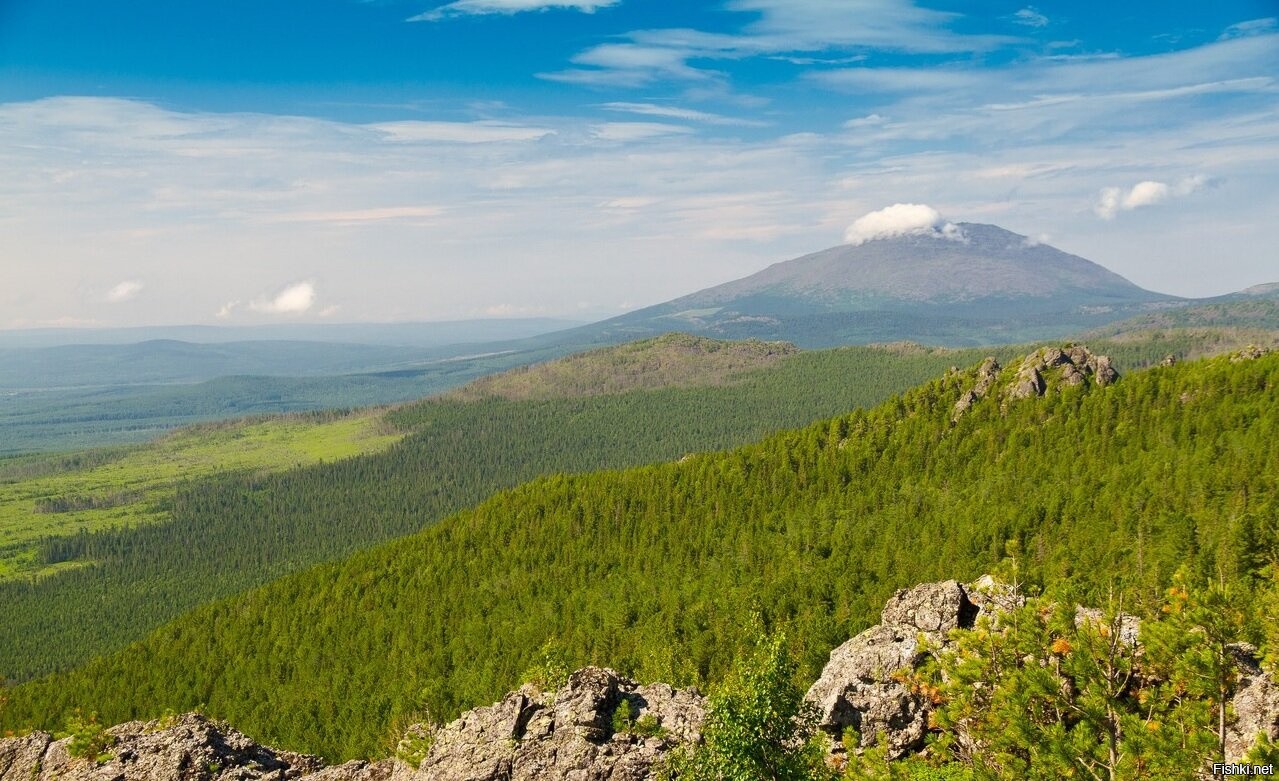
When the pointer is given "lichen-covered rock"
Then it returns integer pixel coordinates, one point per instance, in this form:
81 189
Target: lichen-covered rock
1038 373
859 688
565 735
1249 353
1255 704
355 770
183 748
21 758
1128 625
986 375
991 597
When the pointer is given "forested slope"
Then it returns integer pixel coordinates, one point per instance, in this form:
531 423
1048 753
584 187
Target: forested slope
232 531
655 569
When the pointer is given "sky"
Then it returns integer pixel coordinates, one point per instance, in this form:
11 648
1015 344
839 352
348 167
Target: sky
245 162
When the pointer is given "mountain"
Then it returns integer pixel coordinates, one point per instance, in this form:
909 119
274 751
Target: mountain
983 285
1095 488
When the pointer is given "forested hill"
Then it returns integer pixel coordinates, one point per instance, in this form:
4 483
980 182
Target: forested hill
654 570
674 360
227 532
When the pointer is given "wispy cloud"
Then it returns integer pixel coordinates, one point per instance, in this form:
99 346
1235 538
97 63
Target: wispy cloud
124 291
785 28
508 7
1264 26
481 132
292 300
676 112
636 131
343 216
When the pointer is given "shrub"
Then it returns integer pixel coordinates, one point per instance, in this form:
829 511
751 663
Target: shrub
89 738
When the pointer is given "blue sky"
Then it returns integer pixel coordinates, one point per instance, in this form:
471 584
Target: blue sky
376 160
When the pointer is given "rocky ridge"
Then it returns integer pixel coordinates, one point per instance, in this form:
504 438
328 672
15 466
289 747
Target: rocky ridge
575 733
568 734
1038 373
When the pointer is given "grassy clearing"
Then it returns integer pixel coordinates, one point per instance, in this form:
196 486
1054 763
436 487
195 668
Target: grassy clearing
58 497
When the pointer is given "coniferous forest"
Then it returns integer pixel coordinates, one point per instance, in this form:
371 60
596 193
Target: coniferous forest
237 530
655 570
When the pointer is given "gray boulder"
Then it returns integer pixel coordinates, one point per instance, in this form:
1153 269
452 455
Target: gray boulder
567 734
861 686
1255 703
183 748
1040 372
21 758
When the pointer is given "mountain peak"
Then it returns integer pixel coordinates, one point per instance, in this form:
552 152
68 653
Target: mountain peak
974 261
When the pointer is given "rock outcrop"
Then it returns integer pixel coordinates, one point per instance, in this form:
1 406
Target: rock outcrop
1255 704
182 748
601 726
859 687
566 734
1250 353
1038 373
986 376
863 686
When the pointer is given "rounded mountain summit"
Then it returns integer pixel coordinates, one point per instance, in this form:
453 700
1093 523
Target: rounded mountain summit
970 284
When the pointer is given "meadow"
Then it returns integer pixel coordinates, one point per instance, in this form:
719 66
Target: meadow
57 496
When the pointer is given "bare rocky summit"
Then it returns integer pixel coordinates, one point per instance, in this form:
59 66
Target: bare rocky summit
1040 372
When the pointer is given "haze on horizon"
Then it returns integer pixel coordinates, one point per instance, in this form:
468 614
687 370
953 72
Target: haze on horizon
383 160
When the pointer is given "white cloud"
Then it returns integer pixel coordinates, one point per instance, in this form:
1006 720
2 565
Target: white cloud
901 219
1145 194
124 291
870 120
1030 17
226 310
292 300
1112 200
508 7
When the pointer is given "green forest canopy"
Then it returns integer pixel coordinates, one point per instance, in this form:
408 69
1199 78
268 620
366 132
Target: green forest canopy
653 570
